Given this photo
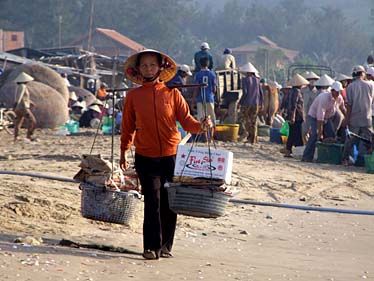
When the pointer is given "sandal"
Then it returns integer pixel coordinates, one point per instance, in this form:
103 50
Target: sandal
166 255
150 255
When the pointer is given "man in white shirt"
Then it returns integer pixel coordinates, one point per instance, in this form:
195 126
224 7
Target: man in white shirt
360 96
322 108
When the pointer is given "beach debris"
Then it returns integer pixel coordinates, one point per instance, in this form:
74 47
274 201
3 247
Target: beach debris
29 240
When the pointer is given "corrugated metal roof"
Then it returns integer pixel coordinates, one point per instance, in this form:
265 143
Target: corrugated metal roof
121 39
263 41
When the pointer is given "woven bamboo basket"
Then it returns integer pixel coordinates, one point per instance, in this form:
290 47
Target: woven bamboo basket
98 203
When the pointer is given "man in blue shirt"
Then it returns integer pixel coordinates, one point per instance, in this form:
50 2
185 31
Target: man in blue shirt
203 97
203 53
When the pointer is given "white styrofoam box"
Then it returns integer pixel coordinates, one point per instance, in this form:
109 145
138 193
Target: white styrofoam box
196 163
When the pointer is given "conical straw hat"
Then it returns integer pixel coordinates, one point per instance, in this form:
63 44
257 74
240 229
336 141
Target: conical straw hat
95 108
78 104
23 78
309 75
168 67
248 67
97 102
342 77
298 80
324 81
73 96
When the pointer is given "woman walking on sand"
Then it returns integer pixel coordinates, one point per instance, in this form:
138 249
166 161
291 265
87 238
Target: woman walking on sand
149 120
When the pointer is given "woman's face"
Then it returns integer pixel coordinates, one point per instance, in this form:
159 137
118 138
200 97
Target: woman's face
149 67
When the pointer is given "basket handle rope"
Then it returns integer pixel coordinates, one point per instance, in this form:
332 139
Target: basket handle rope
208 135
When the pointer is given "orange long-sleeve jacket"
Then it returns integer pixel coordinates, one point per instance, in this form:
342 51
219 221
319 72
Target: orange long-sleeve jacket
149 118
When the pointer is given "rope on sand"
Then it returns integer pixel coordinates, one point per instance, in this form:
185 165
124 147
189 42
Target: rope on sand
239 201
300 207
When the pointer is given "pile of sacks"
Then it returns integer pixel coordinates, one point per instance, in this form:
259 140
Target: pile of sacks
99 172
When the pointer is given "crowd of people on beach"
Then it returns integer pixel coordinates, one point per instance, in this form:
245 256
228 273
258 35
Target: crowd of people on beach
316 107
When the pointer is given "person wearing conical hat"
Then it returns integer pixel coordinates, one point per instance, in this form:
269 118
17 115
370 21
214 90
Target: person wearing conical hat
149 121
22 107
250 102
76 110
72 98
104 110
309 94
92 112
324 82
295 113
360 98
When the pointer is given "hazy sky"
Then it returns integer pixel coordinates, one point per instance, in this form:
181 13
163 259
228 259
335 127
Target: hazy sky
356 10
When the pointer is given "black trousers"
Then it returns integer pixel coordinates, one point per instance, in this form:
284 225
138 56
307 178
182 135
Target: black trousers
159 221
295 135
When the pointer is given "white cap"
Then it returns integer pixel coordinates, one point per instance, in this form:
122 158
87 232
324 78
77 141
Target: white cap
342 77
205 46
186 68
370 71
358 68
337 86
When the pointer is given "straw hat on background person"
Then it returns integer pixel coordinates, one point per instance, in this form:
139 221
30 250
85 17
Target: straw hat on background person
95 108
167 71
324 81
310 75
97 102
298 81
23 78
249 68
78 104
73 96
341 77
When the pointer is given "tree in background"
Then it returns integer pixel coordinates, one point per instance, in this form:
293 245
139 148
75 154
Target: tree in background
177 27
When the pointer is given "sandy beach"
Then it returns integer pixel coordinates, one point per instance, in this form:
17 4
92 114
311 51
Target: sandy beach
249 242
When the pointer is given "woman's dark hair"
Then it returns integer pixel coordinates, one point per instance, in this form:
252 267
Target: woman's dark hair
158 56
